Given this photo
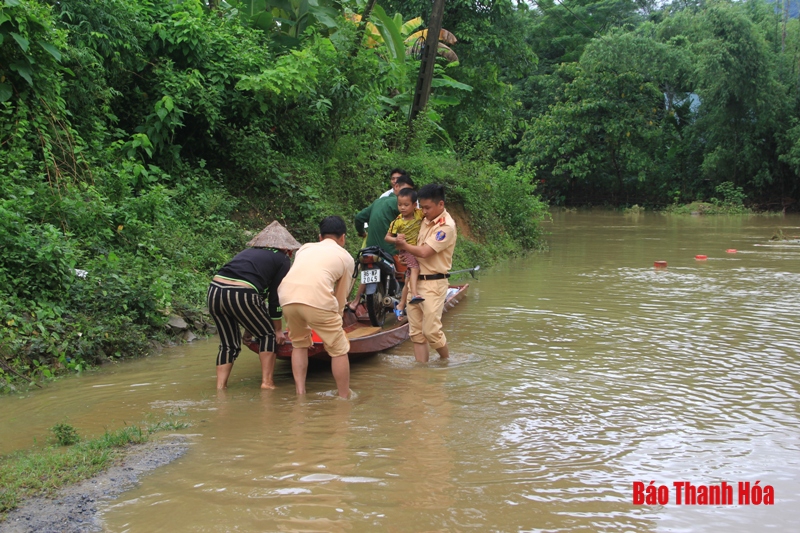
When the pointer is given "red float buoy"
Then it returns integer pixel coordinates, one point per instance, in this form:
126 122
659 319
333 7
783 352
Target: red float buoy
701 257
731 250
660 264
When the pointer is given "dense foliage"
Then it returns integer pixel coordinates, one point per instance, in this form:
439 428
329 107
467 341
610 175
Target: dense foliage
141 140
619 102
669 106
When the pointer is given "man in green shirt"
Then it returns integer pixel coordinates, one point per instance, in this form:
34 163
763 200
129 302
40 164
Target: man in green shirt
380 215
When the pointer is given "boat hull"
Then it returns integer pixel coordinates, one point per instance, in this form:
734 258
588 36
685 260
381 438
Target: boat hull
365 339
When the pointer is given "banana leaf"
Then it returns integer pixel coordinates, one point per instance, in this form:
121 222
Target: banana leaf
390 33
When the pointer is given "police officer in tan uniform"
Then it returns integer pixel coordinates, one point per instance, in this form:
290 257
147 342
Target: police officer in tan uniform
434 251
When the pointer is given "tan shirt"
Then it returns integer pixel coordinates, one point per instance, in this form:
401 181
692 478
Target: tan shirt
320 277
440 234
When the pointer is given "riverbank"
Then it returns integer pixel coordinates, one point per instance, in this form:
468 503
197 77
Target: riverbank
56 486
75 508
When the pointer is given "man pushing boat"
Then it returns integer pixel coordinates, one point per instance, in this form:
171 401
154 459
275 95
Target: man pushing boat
434 252
313 295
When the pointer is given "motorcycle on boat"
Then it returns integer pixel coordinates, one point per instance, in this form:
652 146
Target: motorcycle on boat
378 273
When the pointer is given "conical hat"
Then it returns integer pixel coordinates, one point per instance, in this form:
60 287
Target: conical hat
275 236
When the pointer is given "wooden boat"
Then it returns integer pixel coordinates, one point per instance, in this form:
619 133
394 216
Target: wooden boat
366 339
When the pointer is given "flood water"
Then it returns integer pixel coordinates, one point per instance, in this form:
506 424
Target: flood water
575 372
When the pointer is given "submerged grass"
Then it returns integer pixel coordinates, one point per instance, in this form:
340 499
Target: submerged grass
706 208
42 471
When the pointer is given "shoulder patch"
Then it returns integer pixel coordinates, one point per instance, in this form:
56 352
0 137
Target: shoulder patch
440 236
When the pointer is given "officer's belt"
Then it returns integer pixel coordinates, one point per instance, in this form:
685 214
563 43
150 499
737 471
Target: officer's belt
424 277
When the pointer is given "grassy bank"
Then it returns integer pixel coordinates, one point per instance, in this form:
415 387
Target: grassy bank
729 200
707 208
67 460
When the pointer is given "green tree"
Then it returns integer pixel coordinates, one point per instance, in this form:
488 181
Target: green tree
739 92
608 132
493 51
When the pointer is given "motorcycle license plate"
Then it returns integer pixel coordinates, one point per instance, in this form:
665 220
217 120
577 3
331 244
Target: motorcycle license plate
371 276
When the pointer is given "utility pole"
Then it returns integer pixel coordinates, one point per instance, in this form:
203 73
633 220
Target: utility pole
431 48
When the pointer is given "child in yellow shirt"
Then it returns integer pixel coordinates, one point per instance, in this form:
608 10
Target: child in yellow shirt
407 223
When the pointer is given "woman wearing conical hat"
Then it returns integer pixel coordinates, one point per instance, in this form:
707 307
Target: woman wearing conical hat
245 293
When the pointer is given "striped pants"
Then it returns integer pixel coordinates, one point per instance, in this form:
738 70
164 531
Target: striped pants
230 306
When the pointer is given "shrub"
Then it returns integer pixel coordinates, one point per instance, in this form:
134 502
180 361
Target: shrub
64 435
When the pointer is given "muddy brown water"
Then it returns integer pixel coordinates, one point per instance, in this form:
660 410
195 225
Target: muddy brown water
575 372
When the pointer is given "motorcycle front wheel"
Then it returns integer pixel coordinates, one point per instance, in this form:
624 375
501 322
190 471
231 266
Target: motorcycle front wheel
375 307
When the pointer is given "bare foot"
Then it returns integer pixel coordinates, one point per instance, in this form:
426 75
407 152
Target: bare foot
270 386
